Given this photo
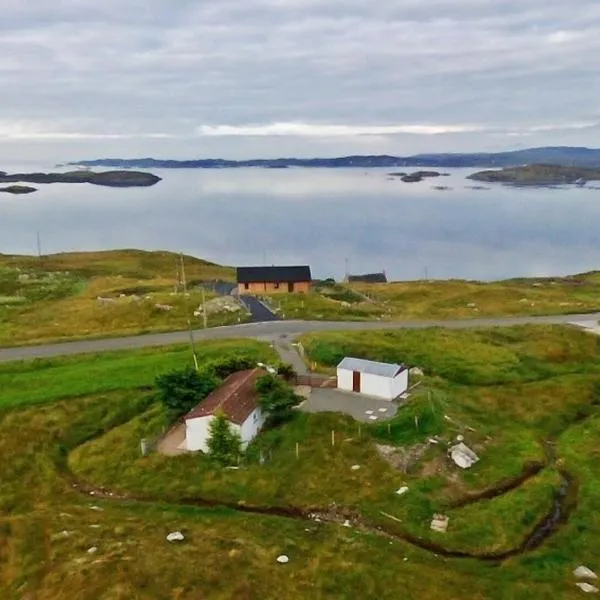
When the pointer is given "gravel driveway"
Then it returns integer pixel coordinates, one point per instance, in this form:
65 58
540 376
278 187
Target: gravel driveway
362 408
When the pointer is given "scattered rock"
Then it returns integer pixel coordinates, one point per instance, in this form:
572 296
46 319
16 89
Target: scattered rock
401 491
439 523
587 587
175 536
165 307
471 305
582 572
433 441
355 467
347 523
94 507
119 530
416 371
382 410
373 418
283 559
368 412
460 438
92 550
463 456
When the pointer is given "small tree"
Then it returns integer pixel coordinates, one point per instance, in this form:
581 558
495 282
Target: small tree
181 390
276 399
224 444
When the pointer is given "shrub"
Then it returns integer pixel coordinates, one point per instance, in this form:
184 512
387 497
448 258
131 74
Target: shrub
276 399
286 371
181 390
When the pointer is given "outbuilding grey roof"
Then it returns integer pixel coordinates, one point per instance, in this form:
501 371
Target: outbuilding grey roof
293 274
370 366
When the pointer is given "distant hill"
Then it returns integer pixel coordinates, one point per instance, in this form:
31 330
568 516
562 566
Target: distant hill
560 155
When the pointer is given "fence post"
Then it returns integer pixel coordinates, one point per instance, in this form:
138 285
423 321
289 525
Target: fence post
145 447
332 437
297 450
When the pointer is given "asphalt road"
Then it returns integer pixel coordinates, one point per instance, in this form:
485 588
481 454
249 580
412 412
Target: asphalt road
260 313
270 331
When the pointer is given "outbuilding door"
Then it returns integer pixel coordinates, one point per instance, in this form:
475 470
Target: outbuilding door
290 286
356 381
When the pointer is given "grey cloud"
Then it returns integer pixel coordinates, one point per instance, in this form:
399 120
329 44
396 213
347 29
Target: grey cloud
77 67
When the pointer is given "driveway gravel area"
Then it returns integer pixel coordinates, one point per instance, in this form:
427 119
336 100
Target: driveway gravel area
362 408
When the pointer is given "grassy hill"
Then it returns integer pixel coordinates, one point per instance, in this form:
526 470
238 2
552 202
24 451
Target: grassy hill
90 294
508 392
80 295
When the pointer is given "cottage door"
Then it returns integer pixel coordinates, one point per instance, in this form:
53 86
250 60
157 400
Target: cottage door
356 381
290 286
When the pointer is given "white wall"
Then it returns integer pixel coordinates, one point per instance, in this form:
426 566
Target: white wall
196 433
251 426
376 385
344 379
399 383
197 430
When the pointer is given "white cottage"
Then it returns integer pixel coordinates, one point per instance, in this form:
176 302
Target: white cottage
237 400
371 378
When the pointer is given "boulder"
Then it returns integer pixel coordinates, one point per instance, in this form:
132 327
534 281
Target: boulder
582 572
463 456
175 536
439 523
587 587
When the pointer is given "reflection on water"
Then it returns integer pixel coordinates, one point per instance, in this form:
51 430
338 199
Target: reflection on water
320 217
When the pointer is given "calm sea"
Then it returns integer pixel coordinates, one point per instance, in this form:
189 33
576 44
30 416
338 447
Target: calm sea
324 217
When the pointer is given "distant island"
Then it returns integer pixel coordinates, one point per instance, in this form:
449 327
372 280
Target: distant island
558 155
416 176
106 178
539 175
18 189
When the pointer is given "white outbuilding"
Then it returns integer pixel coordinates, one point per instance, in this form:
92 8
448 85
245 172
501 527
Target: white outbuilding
384 380
237 399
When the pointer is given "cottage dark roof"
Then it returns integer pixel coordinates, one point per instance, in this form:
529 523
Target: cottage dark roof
368 278
236 398
273 274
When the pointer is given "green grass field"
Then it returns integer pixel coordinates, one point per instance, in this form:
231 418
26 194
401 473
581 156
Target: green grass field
102 294
523 386
81 295
451 299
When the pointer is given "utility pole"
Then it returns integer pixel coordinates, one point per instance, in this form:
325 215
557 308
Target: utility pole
39 244
204 315
347 267
187 311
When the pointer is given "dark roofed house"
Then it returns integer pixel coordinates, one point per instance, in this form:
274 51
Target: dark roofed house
368 278
272 280
237 399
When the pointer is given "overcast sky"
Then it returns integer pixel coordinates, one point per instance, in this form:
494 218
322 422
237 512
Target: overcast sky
248 78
